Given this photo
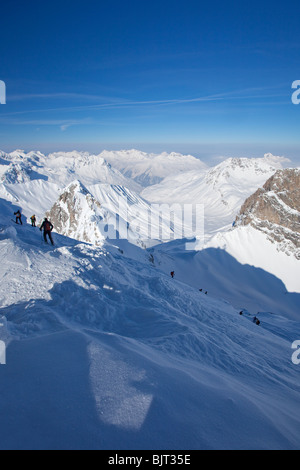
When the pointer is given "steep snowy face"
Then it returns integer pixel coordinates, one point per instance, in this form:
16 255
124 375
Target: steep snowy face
275 210
149 169
78 214
111 212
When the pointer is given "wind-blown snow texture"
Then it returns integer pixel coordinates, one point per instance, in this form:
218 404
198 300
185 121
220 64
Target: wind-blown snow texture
106 351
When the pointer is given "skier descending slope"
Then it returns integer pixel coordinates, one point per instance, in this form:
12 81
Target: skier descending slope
47 227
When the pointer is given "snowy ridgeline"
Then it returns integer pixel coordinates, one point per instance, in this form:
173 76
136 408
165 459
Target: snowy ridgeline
110 352
122 178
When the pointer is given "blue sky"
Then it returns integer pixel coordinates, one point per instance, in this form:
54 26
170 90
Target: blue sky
210 79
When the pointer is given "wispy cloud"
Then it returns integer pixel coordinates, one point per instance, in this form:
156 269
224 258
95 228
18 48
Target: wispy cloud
118 103
63 124
61 96
64 127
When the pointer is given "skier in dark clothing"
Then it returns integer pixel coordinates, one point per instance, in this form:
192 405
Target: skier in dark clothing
47 227
172 274
18 217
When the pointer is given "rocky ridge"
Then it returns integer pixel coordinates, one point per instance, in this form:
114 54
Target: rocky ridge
275 210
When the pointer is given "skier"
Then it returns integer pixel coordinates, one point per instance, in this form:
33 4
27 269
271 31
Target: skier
33 221
18 217
172 274
47 227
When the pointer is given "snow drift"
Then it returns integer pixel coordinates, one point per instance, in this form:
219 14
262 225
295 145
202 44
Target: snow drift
114 354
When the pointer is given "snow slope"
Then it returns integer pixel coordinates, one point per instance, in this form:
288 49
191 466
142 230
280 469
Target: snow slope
241 267
33 197
135 219
106 351
249 246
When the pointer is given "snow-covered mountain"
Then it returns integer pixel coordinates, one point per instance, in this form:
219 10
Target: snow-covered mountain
43 179
149 169
222 189
275 210
104 211
61 168
87 168
34 181
15 173
79 215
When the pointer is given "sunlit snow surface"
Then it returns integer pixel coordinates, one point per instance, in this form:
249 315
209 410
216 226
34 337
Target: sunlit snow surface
104 350
107 351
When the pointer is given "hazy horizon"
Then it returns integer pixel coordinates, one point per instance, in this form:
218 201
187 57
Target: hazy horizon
211 154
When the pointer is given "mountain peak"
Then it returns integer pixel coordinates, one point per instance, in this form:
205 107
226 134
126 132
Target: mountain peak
75 187
77 214
276 161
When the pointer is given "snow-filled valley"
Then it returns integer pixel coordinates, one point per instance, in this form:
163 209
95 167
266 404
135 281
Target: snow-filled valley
104 350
